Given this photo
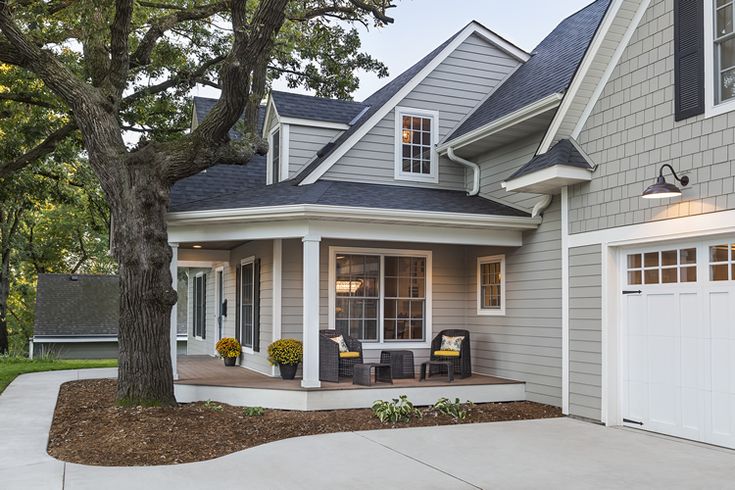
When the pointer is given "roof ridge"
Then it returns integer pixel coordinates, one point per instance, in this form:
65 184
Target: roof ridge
295 94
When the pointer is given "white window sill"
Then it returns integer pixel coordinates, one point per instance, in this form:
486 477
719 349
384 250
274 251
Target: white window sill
432 179
398 345
248 350
719 109
483 312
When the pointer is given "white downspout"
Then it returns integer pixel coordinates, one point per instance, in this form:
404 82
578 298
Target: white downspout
475 169
541 206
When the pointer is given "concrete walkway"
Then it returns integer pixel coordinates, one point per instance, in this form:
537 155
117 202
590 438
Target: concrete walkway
553 453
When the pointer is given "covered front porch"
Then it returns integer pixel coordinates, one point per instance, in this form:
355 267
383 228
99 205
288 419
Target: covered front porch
206 378
393 281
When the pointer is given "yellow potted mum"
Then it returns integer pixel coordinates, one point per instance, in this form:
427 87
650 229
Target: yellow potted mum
287 354
229 350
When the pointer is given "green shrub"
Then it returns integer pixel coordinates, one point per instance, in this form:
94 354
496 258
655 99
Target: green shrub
213 406
454 409
285 351
253 411
398 410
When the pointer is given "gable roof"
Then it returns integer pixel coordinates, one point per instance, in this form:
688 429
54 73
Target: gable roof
380 100
550 69
202 106
87 305
300 106
565 152
352 194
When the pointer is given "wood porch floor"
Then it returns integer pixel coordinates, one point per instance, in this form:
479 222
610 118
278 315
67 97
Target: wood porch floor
210 371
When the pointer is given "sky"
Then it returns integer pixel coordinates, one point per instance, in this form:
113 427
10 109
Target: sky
422 25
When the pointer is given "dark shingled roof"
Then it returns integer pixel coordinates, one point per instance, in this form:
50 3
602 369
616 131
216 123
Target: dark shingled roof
550 70
202 106
562 153
375 101
316 108
87 306
356 194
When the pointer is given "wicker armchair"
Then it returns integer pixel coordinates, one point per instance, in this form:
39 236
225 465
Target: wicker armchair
331 366
462 364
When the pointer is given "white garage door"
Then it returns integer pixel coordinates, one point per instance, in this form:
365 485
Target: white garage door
679 340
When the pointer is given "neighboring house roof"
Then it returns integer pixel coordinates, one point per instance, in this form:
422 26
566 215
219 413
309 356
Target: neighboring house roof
352 194
563 153
77 305
70 305
550 70
300 106
375 101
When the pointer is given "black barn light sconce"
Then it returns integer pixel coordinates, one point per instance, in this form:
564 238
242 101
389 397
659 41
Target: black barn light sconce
662 189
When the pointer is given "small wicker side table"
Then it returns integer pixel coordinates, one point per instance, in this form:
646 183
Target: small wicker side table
428 364
401 361
361 374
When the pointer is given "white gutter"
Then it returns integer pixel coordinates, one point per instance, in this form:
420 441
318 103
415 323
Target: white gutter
472 165
524 113
320 211
541 206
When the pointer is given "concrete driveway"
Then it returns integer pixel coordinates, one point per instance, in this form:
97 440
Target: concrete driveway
552 453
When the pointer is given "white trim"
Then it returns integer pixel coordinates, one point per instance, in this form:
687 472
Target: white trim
551 179
277 283
84 339
314 211
194 303
217 305
398 173
382 252
565 300
268 107
313 123
491 259
602 83
580 75
712 109
471 28
174 318
283 132
246 261
311 250
501 124
284 153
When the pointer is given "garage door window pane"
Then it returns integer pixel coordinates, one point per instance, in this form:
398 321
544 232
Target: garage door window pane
668 257
718 272
634 261
651 276
688 256
688 274
651 259
634 277
669 275
718 253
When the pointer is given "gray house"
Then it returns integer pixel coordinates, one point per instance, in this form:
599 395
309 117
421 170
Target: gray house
77 317
529 198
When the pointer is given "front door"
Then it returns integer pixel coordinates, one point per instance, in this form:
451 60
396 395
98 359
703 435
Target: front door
679 340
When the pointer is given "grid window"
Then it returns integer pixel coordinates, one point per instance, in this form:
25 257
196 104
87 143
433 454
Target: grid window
724 39
357 295
416 138
491 293
247 304
722 262
662 267
405 298
275 151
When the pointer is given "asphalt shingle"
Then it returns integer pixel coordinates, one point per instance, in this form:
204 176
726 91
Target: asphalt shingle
316 108
549 70
562 153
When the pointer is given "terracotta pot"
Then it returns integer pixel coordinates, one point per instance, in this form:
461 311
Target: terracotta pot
288 371
230 361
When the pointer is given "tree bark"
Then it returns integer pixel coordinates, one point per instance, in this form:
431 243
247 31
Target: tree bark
4 293
140 245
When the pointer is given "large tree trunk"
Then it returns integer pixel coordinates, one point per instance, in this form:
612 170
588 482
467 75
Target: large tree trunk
4 293
141 248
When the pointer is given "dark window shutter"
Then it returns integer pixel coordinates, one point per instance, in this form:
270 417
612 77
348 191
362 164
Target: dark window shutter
238 285
256 305
688 58
204 306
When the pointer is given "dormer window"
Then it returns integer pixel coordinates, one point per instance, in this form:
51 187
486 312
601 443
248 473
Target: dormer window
274 160
416 139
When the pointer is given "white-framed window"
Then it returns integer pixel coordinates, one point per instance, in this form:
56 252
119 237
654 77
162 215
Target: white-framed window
277 154
381 296
417 134
248 304
719 57
200 306
491 285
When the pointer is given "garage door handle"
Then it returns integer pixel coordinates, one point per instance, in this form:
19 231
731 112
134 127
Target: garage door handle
628 421
632 292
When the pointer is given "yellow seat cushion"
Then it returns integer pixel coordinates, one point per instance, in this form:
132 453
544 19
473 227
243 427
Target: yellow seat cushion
446 353
350 355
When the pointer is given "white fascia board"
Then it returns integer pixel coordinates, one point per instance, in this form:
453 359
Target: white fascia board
523 114
500 43
580 75
270 111
339 152
556 176
314 123
610 67
319 211
83 339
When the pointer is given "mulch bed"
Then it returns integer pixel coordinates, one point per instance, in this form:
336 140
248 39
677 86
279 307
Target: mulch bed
89 428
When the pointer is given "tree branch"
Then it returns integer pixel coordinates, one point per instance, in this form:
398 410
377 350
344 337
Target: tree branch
25 99
119 54
377 12
142 54
41 150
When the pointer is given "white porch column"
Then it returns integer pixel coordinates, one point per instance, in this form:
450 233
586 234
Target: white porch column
311 312
174 318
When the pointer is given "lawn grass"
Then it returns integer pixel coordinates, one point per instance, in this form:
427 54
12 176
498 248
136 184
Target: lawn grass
10 367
